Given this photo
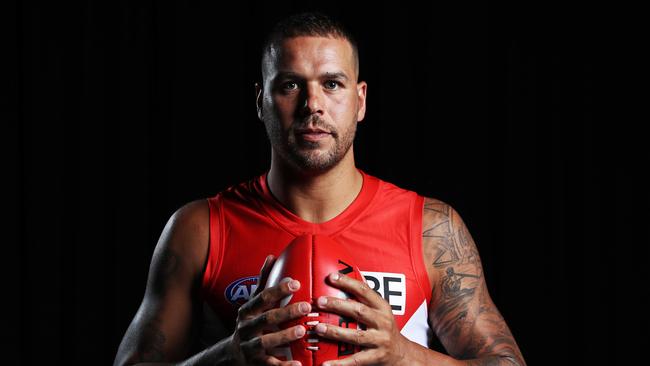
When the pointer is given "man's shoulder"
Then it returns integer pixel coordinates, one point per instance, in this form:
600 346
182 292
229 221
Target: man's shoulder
435 207
443 230
192 212
435 210
187 230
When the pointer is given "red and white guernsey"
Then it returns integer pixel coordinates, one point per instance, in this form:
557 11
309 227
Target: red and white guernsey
382 229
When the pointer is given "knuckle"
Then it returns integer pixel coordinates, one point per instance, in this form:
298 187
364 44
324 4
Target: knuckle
288 335
242 312
359 336
360 309
384 340
294 311
382 355
265 296
262 319
363 287
281 315
263 342
243 327
247 347
386 305
276 339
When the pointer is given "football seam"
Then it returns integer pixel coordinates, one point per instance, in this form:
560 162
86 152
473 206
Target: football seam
315 348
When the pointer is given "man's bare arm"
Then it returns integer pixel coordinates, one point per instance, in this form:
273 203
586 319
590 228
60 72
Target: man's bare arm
461 312
163 328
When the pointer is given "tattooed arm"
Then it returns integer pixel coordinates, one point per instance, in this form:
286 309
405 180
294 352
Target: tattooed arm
461 312
163 328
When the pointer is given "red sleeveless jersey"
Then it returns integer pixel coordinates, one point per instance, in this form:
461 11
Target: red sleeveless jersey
382 229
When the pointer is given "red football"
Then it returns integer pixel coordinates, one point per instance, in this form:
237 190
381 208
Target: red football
310 259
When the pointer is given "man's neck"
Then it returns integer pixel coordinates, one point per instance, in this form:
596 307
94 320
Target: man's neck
315 197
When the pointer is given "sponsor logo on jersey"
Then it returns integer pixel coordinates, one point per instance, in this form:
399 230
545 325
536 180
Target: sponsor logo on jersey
390 286
239 291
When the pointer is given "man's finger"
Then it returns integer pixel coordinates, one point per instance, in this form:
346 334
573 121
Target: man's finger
291 363
350 308
365 357
290 312
283 337
270 319
264 273
272 340
268 298
359 289
273 361
363 338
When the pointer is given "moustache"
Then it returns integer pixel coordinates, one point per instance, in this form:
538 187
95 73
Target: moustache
316 122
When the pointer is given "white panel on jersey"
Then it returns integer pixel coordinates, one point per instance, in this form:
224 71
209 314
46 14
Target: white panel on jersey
417 328
390 286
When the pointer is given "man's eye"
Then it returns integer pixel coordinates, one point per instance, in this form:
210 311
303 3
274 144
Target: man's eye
331 84
289 85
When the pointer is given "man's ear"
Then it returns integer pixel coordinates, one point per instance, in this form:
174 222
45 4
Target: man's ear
258 100
361 94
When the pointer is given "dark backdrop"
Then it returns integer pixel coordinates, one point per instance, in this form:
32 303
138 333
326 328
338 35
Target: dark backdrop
120 112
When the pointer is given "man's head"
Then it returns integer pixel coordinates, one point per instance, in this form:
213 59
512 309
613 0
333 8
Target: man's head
310 70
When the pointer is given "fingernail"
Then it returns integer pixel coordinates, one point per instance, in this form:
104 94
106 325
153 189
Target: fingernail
322 301
296 363
326 364
294 285
304 307
320 328
300 331
334 276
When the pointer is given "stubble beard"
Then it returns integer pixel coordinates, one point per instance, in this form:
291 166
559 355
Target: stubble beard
307 155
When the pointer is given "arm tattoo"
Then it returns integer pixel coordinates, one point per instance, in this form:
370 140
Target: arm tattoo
464 318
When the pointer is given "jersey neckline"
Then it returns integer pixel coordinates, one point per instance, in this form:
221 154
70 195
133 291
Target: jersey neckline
295 225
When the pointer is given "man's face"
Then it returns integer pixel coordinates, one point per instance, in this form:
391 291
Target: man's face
311 102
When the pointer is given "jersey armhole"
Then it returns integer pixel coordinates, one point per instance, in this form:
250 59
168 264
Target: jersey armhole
417 256
215 247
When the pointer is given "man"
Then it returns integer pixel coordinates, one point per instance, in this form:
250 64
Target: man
414 251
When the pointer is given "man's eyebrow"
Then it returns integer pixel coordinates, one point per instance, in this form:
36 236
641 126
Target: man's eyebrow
335 75
286 75
326 75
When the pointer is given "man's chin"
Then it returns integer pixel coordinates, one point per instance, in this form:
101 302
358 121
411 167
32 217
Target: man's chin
313 164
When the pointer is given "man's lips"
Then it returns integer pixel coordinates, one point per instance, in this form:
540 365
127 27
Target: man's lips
312 131
312 134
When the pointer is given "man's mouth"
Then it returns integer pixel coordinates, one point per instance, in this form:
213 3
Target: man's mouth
312 134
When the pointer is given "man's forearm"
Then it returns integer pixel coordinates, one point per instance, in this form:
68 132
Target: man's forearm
216 355
422 356
494 360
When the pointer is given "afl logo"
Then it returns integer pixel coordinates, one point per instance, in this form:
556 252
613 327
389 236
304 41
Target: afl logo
241 290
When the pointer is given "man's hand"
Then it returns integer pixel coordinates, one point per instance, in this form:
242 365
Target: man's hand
382 342
258 320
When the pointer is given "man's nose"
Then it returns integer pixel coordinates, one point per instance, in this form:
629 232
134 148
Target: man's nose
312 100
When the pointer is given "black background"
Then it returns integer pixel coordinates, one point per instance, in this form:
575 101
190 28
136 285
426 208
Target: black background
517 115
